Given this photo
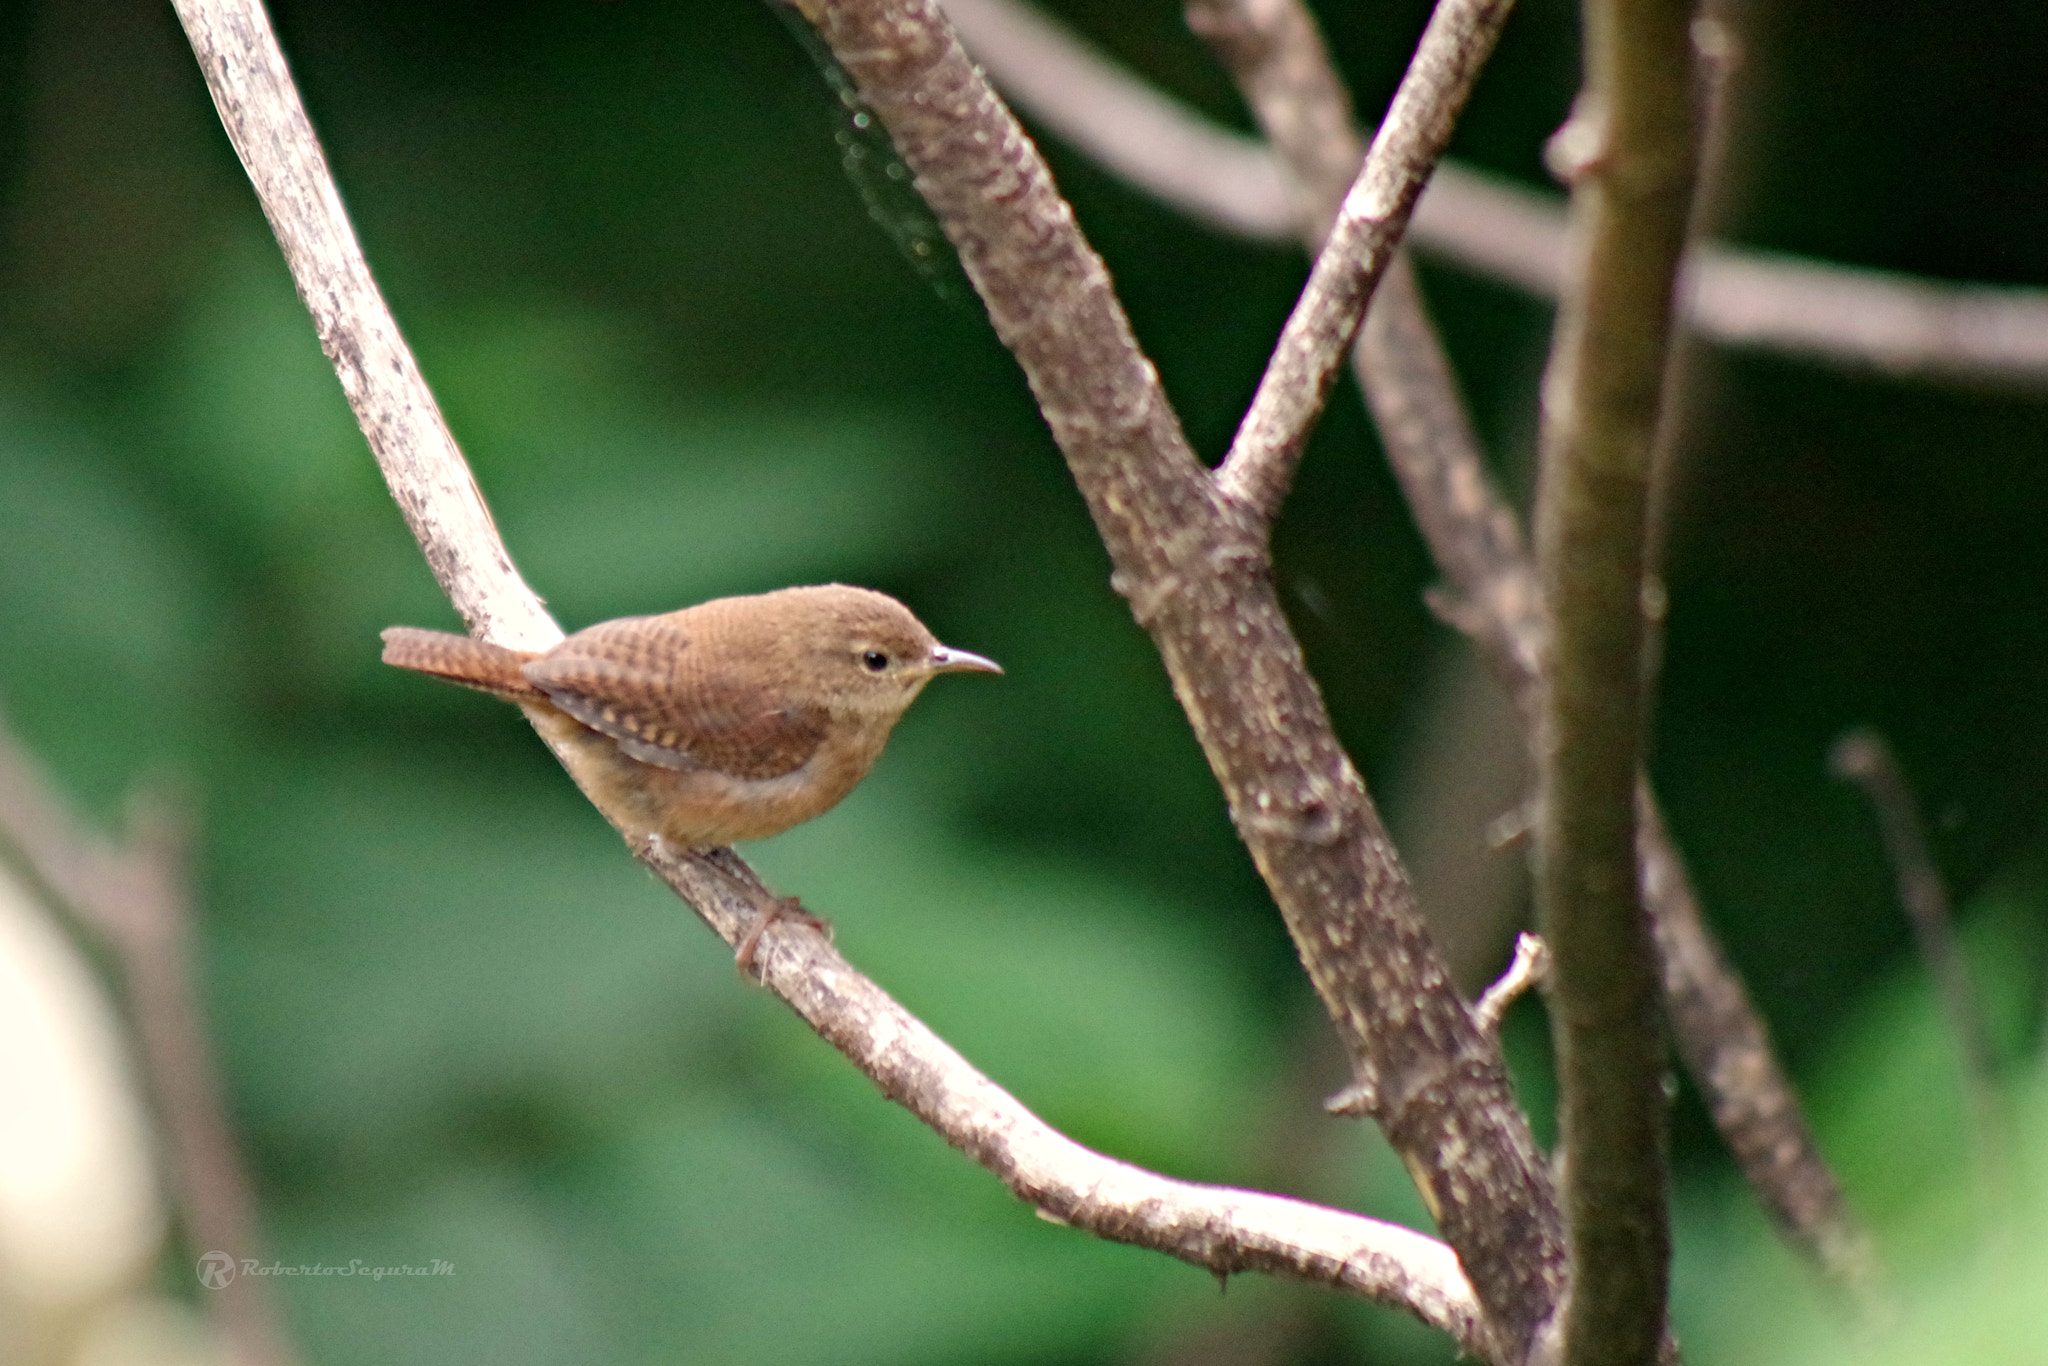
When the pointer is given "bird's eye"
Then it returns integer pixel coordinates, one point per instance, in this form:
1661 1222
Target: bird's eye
874 661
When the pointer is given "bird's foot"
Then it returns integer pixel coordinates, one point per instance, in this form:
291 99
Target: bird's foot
777 908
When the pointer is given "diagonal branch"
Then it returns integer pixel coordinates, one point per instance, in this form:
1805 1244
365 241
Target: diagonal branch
1166 149
1222 1230
1276 54
1368 228
1895 324
1727 1050
1192 564
260 108
1862 757
132 897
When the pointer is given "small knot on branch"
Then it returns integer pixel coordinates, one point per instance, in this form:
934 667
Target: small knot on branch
1230 30
1319 816
1241 552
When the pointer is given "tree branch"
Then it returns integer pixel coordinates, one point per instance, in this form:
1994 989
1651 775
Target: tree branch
260 108
1368 227
1222 1230
132 897
1728 1051
1862 757
1527 969
1630 151
1896 324
1277 56
1213 174
1192 565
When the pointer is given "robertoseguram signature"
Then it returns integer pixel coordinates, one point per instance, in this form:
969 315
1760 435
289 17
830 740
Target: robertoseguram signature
217 1269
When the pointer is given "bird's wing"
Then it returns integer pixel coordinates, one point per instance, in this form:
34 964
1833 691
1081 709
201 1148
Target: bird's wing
644 682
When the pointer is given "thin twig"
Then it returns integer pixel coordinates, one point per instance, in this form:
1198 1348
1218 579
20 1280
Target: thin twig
1862 757
1476 539
1525 970
1728 1051
133 898
1629 151
1318 334
1193 566
1225 1231
1282 67
1896 324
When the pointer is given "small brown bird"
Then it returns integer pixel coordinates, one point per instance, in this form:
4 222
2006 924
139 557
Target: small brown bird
731 720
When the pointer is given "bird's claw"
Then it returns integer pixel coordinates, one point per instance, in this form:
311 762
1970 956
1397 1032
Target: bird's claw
778 908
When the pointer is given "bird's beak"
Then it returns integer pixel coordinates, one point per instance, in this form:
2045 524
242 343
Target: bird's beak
947 660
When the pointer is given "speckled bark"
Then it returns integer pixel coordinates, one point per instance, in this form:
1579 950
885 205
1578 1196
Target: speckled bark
1193 566
1477 542
1277 56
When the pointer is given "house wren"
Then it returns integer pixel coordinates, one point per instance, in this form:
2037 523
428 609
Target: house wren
731 720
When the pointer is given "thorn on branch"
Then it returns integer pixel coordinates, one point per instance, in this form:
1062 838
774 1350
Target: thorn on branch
1525 970
1356 1101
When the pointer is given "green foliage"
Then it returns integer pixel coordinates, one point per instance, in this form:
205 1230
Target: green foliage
1956 1212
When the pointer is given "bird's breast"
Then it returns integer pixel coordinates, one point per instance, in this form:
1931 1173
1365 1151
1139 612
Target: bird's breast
700 806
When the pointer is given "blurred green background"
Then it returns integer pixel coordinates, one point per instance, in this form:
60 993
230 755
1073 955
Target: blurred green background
458 1023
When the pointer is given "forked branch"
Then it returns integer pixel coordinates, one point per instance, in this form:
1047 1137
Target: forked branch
1843 315
1192 563
1222 1230
1276 54
1360 245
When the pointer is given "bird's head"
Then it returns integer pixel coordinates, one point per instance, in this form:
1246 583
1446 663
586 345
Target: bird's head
866 652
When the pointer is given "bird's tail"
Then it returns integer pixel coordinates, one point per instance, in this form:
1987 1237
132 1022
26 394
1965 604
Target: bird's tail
458 659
